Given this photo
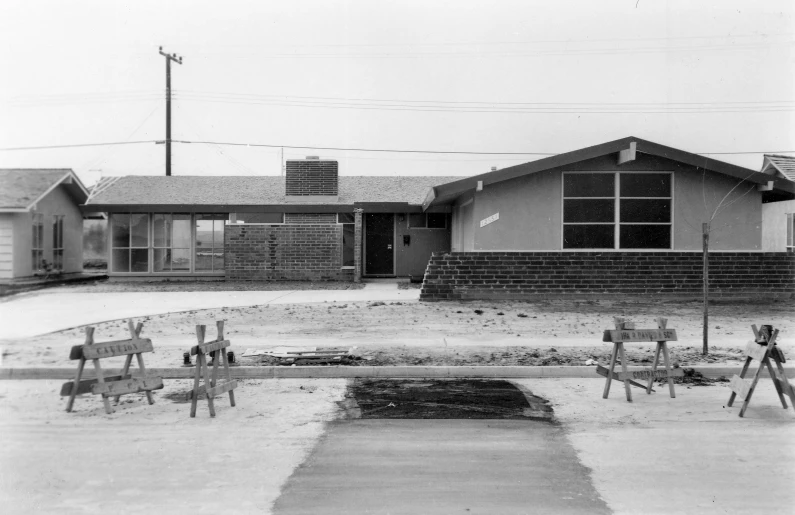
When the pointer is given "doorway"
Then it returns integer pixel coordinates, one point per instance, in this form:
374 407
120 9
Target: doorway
379 240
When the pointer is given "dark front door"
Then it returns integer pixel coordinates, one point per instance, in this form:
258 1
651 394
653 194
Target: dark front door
379 236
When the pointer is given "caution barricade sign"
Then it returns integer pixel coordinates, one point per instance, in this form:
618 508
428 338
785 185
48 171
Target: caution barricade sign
211 387
625 332
112 386
762 348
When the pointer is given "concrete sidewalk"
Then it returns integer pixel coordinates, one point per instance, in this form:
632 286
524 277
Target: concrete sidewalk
33 314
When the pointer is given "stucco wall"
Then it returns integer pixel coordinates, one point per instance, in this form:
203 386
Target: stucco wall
530 214
774 225
57 202
411 260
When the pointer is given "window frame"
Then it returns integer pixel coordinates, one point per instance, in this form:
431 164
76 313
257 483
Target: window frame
37 237
425 219
215 217
789 244
617 223
57 242
112 247
153 246
342 241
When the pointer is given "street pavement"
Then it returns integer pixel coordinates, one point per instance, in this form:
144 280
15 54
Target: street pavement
441 466
33 314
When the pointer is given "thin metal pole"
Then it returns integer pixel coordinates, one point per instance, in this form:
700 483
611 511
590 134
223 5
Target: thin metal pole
705 229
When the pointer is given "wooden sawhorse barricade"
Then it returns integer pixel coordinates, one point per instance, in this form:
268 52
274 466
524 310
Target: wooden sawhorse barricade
762 348
626 332
117 385
211 388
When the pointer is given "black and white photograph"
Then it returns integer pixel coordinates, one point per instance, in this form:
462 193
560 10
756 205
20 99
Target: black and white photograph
397 257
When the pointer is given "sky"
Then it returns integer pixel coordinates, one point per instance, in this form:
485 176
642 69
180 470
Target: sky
463 81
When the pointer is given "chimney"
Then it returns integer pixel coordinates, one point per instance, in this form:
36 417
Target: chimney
311 177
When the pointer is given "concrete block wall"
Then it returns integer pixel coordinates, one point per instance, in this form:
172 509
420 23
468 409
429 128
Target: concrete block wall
288 252
519 275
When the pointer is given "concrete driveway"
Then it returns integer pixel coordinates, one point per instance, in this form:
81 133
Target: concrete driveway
37 313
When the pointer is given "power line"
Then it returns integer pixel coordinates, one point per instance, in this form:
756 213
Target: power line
352 149
77 145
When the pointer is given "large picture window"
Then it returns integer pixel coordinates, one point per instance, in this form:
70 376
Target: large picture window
622 210
171 243
210 243
130 242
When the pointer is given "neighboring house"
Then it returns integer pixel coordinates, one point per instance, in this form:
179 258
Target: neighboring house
310 224
778 218
41 227
623 216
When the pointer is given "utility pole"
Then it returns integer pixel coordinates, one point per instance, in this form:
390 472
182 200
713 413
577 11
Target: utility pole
178 60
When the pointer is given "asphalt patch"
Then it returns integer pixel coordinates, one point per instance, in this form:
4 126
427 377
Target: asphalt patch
445 399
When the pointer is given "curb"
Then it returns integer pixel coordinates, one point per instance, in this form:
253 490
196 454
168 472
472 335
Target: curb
346 372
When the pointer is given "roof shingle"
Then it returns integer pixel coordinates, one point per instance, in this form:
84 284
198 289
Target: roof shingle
784 164
256 190
20 187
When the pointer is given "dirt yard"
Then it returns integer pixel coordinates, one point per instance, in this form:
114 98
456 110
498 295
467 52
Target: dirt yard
445 333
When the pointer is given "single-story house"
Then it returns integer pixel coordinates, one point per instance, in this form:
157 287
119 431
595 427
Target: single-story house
624 216
41 226
310 224
778 218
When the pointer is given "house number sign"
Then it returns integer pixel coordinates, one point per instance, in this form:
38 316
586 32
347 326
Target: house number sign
492 218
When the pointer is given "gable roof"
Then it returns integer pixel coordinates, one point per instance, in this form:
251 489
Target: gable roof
22 188
112 193
784 165
446 193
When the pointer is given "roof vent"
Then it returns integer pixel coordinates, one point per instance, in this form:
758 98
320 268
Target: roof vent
314 158
493 168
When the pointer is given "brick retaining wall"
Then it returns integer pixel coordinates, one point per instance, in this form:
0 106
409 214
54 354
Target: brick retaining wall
298 252
517 275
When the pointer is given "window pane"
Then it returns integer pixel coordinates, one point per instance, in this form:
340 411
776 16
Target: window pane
218 261
181 232
636 210
588 210
645 185
588 236
162 260
120 225
180 260
417 220
346 218
121 260
139 260
139 230
162 230
589 185
645 236
55 232
437 220
204 235
347 244
260 218
204 260
218 235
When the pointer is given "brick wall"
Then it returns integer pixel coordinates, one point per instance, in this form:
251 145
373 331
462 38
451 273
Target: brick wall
298 252
310 218
311 177
509 275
